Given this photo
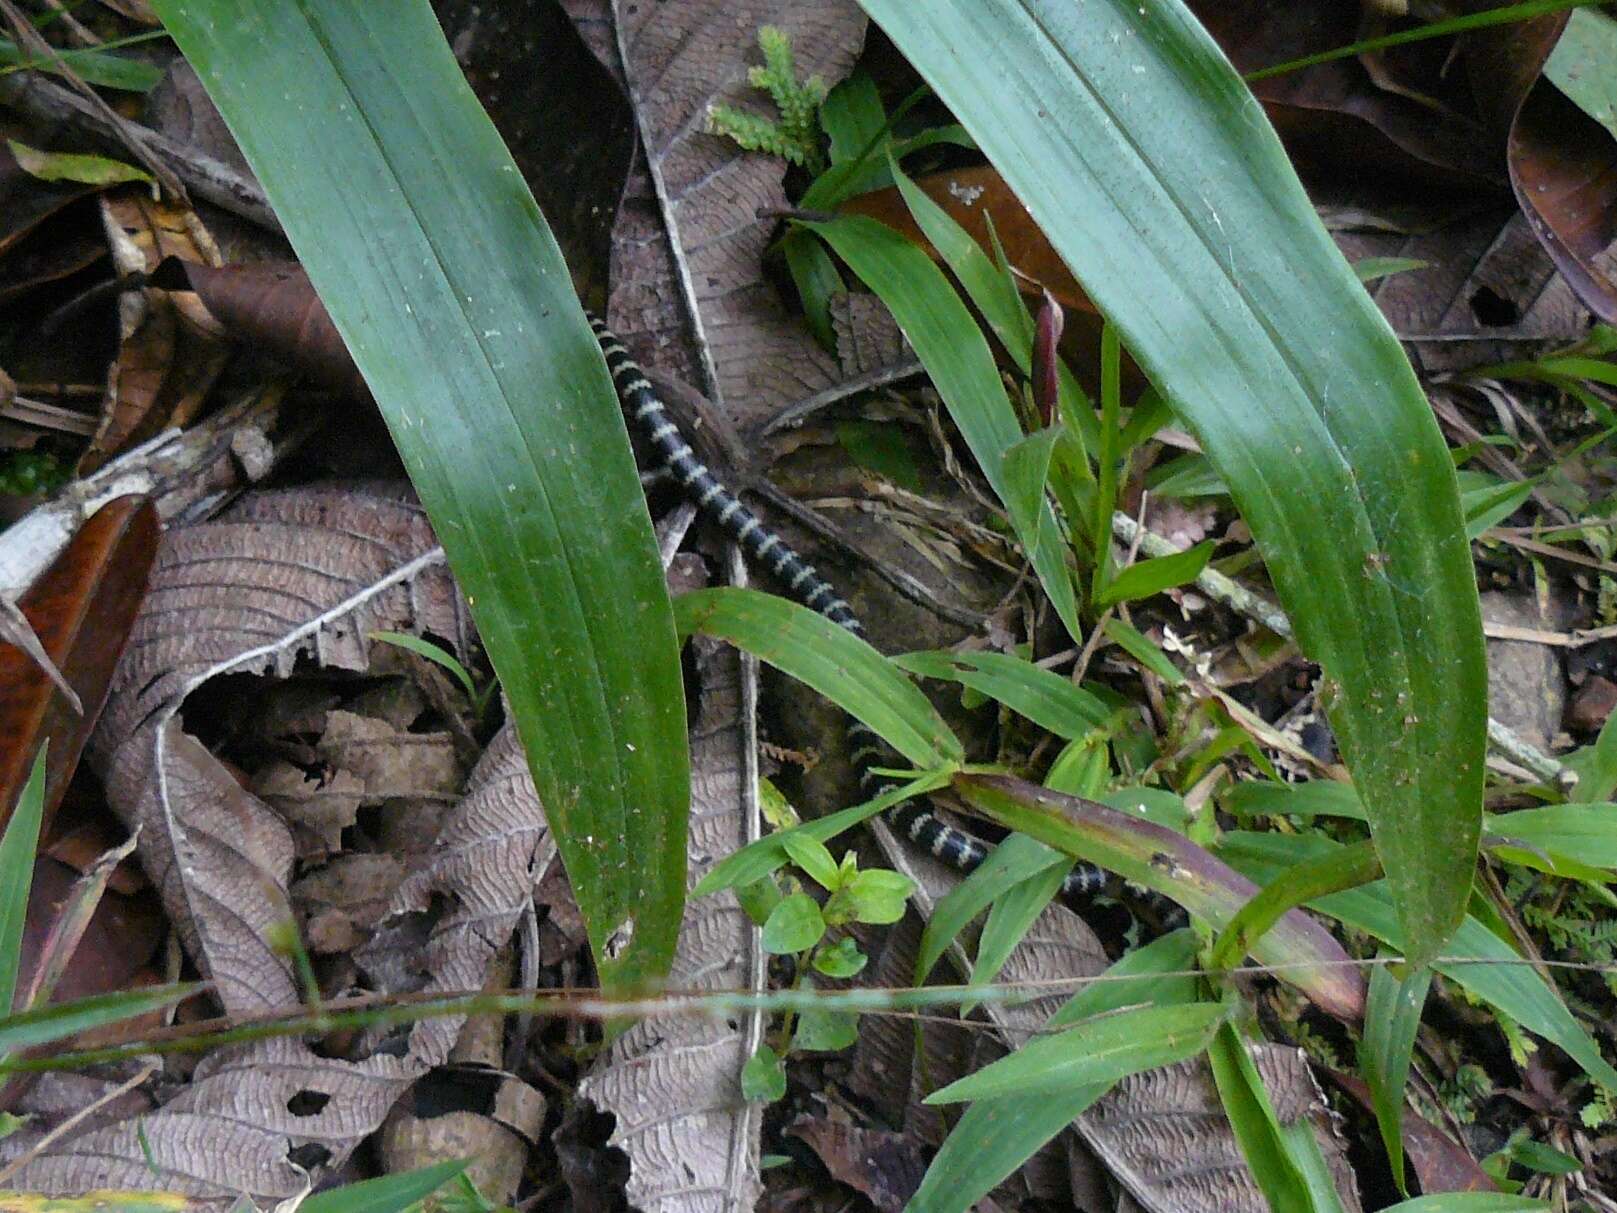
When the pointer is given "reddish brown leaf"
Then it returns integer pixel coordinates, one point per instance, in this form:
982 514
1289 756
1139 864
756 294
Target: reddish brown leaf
1396 120
1563 164
272 306
1440 1162
81 608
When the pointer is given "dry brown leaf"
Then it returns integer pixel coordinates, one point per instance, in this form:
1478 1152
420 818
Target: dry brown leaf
170 350
322 568
689 292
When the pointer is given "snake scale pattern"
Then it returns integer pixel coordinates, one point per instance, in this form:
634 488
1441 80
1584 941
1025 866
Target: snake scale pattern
911 819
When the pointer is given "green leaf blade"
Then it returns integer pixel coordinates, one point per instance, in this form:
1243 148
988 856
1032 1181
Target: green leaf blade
427 248
1230 294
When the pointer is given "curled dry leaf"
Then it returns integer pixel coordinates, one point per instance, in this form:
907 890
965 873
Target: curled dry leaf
674 1085
690 296
1562 163
80 612
169 349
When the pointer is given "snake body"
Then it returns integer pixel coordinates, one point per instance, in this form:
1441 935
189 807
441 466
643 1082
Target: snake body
912 819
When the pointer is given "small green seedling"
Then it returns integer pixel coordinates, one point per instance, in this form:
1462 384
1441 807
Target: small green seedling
480 699
795 924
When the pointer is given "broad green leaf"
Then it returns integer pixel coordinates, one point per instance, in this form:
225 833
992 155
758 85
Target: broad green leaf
809 853
1583 65
829 658
842 959
956 355
75 166
1171 200
387 1194
995 1136
1391 1018
876 896
763 1078
1100 1050
1256 1127
1012 862
42 1025
1317 797
17 849
794 925
825 1031
1476 958
437 268
1147 577
1046 698
1583 833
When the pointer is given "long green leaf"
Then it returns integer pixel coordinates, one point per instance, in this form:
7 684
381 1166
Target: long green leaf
386 1194
1101 1050
956 356
1256 1127
1480 961
438 270
1391 1019
1046 698
832 660
1303 952
42 1025
1170 198
995 1136
17 849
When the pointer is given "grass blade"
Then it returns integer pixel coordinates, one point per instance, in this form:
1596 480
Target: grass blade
956 356
1174 205
829 658
43 1025
1099 1051
438 270
17 874
1390 1022
995 1136
387 1194
1046 698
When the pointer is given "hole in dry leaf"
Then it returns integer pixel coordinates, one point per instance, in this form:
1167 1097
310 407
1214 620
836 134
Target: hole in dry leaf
309 1155
307 1103
1493 310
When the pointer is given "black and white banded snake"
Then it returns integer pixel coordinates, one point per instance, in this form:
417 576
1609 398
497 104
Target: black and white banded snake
912 819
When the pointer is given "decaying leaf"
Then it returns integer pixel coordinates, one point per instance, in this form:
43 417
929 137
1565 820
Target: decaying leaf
169 351
1165 1135
78 615
689 292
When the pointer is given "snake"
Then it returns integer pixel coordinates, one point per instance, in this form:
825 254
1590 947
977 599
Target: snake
912 819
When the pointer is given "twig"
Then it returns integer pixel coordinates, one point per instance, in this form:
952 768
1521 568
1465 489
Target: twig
127 133
795 414
206 177
1254 606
